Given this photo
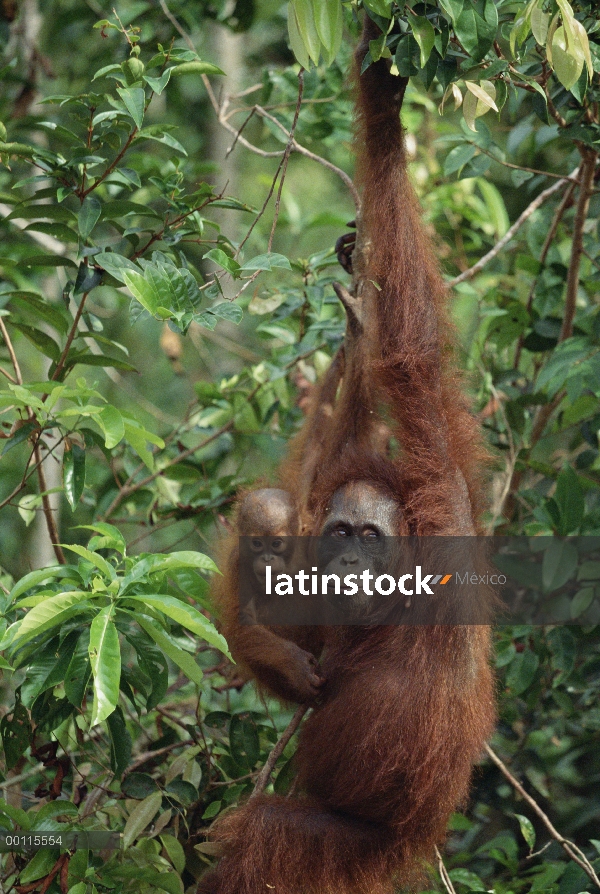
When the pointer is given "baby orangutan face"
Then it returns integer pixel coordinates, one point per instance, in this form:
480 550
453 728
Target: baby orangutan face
269 518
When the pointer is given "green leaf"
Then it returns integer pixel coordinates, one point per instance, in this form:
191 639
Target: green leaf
159 84
424 35
267 261
581 601
94 558
48 614
563 647
212 810
243 741
138 786
218 256
59 230
47 261
112 424
567 62
79 671
570 500
379 7
33 579
174 851
521 671
39 866
165 643
527 830
458 157
115 264
39 340
539 24
196 67
476 27
157 133
452 7
21 434
73 473
187 616
307 28
495 206
120 742
140 817
15 732
41 308
226 310
88 216
138 438
558 565
143 291
110 537
296 42
134 99
329 22
105 658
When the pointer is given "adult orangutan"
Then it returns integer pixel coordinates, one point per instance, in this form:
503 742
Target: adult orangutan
401 712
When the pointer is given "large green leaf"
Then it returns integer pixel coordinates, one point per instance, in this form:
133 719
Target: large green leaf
105 658
165 643
186 615
140 817
48 614
73 473
89 215
134 100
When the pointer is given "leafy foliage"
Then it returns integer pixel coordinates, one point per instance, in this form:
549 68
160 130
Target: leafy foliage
124 251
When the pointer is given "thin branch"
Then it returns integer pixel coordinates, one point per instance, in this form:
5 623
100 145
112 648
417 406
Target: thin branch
509 164
47 507
11 352
571 849
558 215
286 157
446 880
265 774
177 26
8 375
72 333
510 233
111 166
588 168
221 112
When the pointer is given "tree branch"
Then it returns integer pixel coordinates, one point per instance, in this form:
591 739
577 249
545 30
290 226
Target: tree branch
510 233
586 183
265 774
571 849
446 880
558 215
221 113
11 352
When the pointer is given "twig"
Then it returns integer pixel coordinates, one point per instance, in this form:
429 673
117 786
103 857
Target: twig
537 202
149 755
509 164
265 774
571 849
10 378
558 215
11 352
586 181
220 111
177 26
286 157
72 333
446 880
